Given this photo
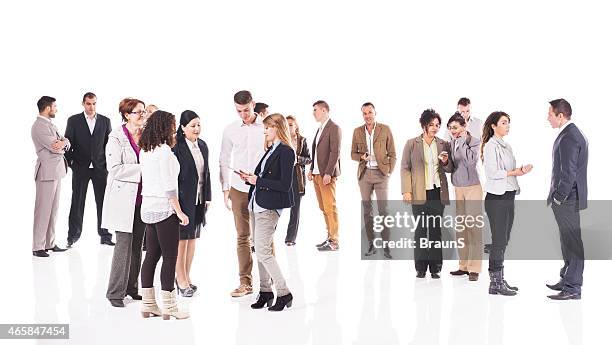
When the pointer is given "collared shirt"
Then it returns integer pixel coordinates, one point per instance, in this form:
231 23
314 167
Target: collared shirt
563 127
199 163
91 123
315 170
242 146
430 153
253 205
371 161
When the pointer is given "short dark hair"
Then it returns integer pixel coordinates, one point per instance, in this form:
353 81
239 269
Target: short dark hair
464 101
322 104
368 104
259 107
243 97
561 106
457 117
44 102
89 95
428 116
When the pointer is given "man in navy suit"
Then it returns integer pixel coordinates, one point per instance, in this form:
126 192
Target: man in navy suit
88 133
568 195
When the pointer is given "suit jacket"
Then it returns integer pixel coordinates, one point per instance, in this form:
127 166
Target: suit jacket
86 147
274 189
384 149
188 181
413 170
569 173
303 159
327 151
50 164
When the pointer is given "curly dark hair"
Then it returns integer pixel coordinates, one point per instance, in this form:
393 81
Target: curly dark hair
158 130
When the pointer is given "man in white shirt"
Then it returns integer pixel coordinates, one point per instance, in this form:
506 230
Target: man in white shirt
473 124
241 150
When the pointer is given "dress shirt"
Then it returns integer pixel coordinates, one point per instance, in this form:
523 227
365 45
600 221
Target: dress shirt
371 161
430 152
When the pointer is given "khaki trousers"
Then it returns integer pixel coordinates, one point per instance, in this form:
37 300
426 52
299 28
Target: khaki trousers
326 196
469 203
240 208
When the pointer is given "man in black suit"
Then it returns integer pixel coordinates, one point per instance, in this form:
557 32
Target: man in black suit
88 132
568 195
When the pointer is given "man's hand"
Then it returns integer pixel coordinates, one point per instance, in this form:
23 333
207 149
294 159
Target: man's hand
407 197
309 176
58 145
326 180
227 200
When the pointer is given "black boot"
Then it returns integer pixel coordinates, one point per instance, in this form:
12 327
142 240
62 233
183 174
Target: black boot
371 250
281 302
497 286
264 298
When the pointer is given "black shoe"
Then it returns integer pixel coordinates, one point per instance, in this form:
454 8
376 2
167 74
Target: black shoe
435 276
487 248
281 302
387 254
135 296
107 241
193 287
557 287
186 292
263 299
329 247
324 243
56 249
459 273
40 253
371 250
420 275
118 303
70 243
564 296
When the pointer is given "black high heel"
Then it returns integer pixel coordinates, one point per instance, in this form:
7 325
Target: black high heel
264 298
281 302
186 292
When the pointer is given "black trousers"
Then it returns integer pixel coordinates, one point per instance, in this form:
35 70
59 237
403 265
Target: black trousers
567 216
294 217
162 240
500 211
80 182
425 257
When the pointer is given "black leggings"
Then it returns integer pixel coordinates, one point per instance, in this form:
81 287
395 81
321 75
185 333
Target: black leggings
500 210
162 240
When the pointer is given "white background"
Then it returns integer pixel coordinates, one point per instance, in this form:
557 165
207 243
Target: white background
402 57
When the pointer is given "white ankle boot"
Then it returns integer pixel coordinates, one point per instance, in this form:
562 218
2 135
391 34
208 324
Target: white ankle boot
170 308
149 304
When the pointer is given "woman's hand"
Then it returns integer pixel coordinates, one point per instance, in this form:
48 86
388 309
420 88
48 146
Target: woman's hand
183 218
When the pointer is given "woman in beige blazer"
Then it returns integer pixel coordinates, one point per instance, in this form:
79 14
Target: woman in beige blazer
424 162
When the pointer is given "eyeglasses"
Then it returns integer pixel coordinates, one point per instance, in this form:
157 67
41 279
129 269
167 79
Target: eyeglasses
140 112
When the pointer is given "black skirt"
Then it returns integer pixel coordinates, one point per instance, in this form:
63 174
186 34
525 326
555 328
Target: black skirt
194 229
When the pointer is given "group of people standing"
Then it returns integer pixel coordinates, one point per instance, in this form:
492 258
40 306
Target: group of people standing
152 181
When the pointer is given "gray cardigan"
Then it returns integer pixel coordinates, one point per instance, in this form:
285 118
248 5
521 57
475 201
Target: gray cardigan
464 153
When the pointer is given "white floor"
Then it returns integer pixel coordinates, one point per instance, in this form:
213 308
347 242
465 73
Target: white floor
339 299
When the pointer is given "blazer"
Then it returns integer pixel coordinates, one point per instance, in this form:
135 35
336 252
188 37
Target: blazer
274 189
326 154
570 160
121 183
50 164
188 181
87 148
413 170
384 149
303 159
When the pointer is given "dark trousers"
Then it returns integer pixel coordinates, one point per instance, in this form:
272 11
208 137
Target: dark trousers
127 257
425 257
567 216
162 240
80 182
500 210
294 217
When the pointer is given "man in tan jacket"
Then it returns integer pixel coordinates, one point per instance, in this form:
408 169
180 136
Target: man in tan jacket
51 167
374 149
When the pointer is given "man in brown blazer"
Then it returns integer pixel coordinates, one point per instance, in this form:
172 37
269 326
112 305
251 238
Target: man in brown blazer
374 149
51 167
324 170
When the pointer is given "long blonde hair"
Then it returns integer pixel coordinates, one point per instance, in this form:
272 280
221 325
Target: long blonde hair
282 129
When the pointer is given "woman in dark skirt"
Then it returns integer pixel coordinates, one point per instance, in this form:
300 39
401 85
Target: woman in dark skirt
194 194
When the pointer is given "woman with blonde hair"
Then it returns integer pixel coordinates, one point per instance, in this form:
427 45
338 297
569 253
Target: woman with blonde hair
271 191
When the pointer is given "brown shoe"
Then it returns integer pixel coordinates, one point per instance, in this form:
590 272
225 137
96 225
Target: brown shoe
242 290
473 276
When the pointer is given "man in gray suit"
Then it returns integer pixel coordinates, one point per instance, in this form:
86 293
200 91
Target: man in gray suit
51 166
568 195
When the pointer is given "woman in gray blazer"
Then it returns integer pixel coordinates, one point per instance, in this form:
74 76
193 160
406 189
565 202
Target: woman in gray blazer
501 187
122 199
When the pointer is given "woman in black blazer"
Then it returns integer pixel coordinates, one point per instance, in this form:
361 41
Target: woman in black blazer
271 192
299 178
194 194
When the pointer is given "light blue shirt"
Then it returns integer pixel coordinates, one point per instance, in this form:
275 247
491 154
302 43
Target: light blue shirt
253 205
